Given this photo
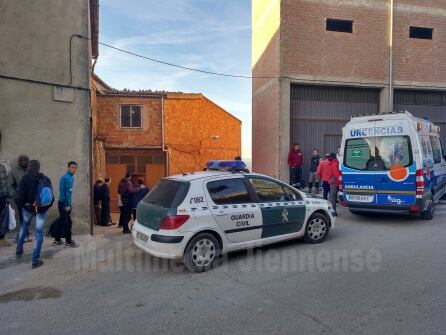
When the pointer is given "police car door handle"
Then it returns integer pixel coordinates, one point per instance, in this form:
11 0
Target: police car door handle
221 214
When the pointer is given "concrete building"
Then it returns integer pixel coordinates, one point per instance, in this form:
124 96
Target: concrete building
154 134
47 48
323 61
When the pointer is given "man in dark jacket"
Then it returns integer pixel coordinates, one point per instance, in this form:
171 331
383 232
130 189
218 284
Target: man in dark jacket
135 198
125 190
16 175
104 197
97 201
314 177
295 162
27 195
4 199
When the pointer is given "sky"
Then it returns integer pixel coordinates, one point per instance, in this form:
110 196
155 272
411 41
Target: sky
212 35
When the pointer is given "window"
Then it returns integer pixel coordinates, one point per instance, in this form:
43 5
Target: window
343 26
290 195
436 149
420 32
378 153
167 193
228 191
267 190
130 116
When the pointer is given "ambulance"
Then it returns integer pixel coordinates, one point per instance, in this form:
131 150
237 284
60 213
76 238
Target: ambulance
392 163
196 217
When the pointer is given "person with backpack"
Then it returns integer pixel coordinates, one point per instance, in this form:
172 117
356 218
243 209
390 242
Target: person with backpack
66 184
35 193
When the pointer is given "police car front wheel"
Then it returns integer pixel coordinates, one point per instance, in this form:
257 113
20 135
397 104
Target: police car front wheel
201 253
317 228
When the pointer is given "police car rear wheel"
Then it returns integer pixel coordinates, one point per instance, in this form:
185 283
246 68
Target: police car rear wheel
317 228
201 253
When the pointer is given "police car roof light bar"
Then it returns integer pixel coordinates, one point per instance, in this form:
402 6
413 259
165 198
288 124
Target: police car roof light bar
233 166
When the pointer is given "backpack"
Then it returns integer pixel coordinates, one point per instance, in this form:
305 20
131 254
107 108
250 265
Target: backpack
44 196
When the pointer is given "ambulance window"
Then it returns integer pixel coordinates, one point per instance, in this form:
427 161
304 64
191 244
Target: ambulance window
426 147
228 191
357 153
393 150
268 190
436 149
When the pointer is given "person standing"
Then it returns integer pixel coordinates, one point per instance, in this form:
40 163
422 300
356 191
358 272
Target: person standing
334 182
295 162
325 173
66 184
125 190
314 177
97 201
4 199
32 183
104 196
16 175
135 198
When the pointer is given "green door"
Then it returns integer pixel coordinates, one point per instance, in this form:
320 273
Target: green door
283 210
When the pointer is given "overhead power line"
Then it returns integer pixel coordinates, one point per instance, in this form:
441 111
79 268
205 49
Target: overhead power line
185 67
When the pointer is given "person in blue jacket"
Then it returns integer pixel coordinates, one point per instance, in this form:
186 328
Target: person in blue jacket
135 198
66 184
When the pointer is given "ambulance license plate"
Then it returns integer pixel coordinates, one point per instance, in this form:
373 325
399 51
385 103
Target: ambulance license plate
360 198
141 236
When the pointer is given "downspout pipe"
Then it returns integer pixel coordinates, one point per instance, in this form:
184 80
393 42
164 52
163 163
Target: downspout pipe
166 151
391 58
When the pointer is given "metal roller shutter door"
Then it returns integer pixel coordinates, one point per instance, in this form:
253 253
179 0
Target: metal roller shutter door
318 114
425 104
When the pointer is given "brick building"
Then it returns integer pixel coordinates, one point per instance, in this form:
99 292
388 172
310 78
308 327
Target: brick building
154 134
330 59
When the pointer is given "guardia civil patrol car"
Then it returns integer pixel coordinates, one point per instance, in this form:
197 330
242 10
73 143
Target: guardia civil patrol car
392 162
198 216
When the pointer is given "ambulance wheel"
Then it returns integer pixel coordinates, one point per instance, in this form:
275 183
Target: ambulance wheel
201 253
317 228
428 214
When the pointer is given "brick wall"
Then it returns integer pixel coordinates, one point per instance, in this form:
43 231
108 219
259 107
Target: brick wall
108 126
308 50
191 122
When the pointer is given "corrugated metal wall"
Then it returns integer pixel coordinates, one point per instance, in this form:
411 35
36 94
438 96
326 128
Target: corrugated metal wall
426 104
318 114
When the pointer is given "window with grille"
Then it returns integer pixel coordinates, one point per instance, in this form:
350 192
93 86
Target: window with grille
130 116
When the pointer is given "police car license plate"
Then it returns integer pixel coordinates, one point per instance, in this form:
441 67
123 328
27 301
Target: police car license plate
360 198
141 236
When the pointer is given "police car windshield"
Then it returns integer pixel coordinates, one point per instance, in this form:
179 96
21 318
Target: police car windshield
167 193
378 153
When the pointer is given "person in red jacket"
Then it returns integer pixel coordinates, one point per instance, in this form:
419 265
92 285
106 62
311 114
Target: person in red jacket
334 183
325 172
295 162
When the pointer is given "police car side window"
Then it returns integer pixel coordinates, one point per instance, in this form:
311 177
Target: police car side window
228 191
291 195
268 190
436 149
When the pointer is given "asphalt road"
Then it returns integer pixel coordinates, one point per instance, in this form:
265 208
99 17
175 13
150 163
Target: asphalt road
374 275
